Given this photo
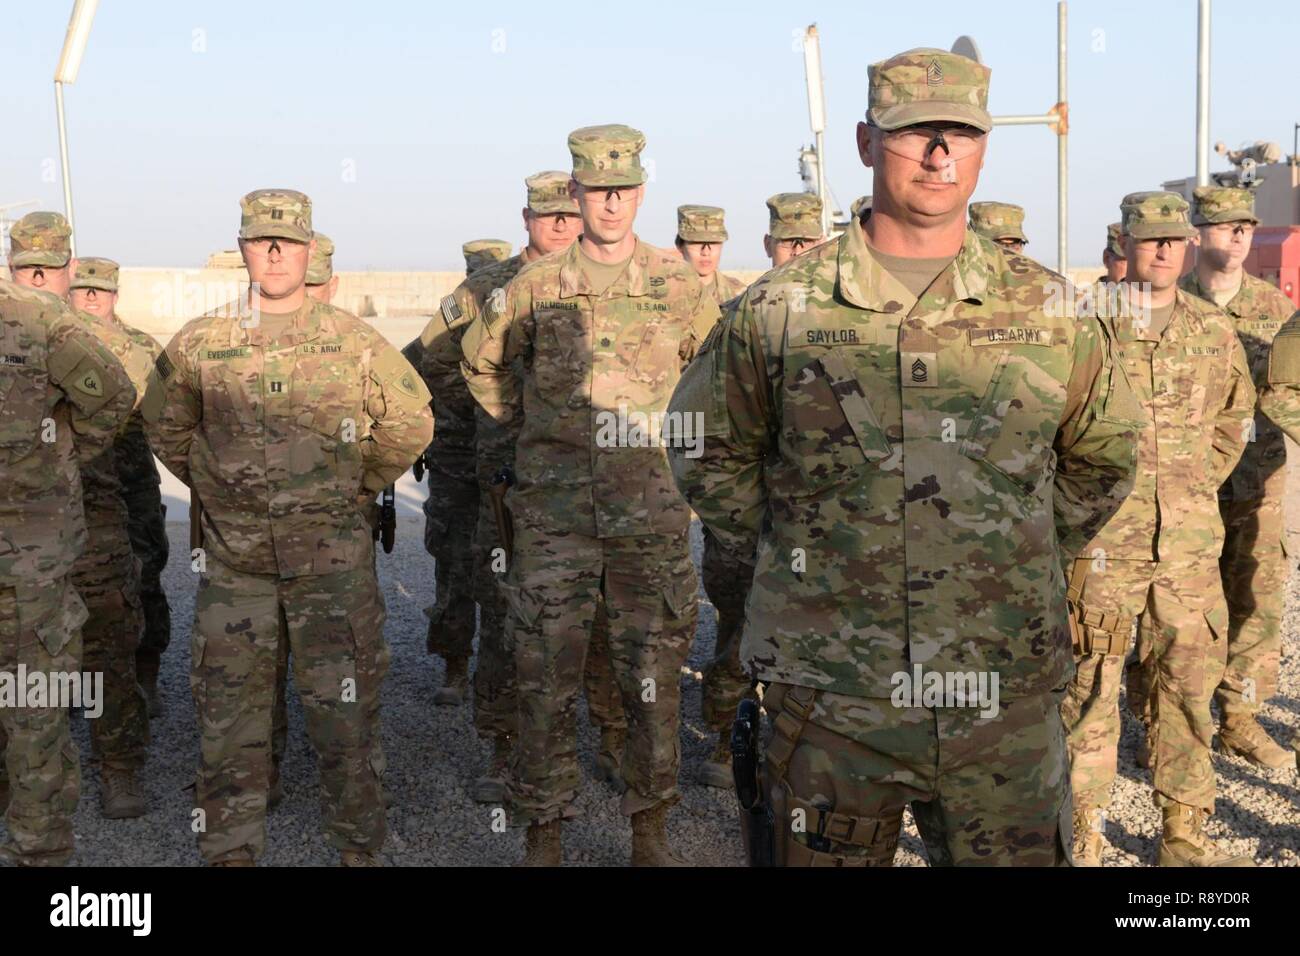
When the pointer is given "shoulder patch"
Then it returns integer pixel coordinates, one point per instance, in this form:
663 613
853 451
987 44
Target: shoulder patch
450 310
89 382
164 366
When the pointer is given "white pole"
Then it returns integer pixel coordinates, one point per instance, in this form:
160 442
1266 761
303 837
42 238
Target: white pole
63 159
1062 149
1203 93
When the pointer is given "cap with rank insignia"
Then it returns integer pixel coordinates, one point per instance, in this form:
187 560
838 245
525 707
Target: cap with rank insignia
926 85
320 267
275 214
607 155
997 220
548 192
95 274
794 216
40 239
1115 240
701 224
1156 215
1215 204
484 252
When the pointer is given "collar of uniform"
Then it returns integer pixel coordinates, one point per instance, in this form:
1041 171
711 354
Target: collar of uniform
1191 284
305 327
866 283
633 281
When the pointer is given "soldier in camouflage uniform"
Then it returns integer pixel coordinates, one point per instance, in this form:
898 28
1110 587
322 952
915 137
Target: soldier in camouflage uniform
1114 257
285 417
907 442
65 398
552 222
1158 557
584 347
860 209
726 577
322 283
1253 564
106 574
94 290
1002 222
481 253
794 224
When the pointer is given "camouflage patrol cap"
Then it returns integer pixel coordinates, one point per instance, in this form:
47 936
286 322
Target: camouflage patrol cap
548 192
927 85
320 267
998 220
1115 240
95 274
607 155
480 253
275 214
794 216
1214 204
859 206
1156 215
701 224
40 239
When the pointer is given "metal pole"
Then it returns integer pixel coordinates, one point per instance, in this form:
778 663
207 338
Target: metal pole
63 158
1062 149
821 185
1203 93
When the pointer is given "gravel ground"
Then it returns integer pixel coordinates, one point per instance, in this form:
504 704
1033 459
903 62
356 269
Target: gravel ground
434 754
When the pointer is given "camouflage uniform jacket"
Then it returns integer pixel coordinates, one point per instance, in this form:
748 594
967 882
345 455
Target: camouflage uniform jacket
1257 311
131 451
56 380
491 445
1195 385
724 288
1279 399
281 437
589 364
909 469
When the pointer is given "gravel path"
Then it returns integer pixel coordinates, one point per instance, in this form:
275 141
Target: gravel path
433 755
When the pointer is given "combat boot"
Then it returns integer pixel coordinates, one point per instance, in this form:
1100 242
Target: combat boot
716 769
650 841
452 691
1242 736
1088 843
120 795
1185 843
146 672
610 759
359 858
491 787
544 844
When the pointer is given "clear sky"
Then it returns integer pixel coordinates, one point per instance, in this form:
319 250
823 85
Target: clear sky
412 124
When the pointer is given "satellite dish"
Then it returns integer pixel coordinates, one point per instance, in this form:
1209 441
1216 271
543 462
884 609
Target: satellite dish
965 46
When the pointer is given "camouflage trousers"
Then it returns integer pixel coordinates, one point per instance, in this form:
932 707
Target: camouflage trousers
984 791
726 683
147 526
1182 640
333 627
1255 574
40 631
450 513
496 699
557 581
107 576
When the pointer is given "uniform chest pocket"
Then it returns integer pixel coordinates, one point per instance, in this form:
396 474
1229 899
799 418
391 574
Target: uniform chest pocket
561 352
328 397
657 361
829 423
1006 428
1205 380
228 410
22 409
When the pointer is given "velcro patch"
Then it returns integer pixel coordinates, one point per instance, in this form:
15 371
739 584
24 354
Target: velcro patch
450 310
164 366
89 381
1011 335
919 369
1284 359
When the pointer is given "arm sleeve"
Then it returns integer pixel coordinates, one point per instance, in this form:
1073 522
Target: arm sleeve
497 343
1234 426
1280 397
401 422
723 410
1096 442
173 407
96 387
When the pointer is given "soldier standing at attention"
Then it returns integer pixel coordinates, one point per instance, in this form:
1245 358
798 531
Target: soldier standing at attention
1253 564
701 232
285 417
1158 557
107 573
1002 222
908 424
322 283
794 224
700 235
94 291
66 396
1113 256
584 344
